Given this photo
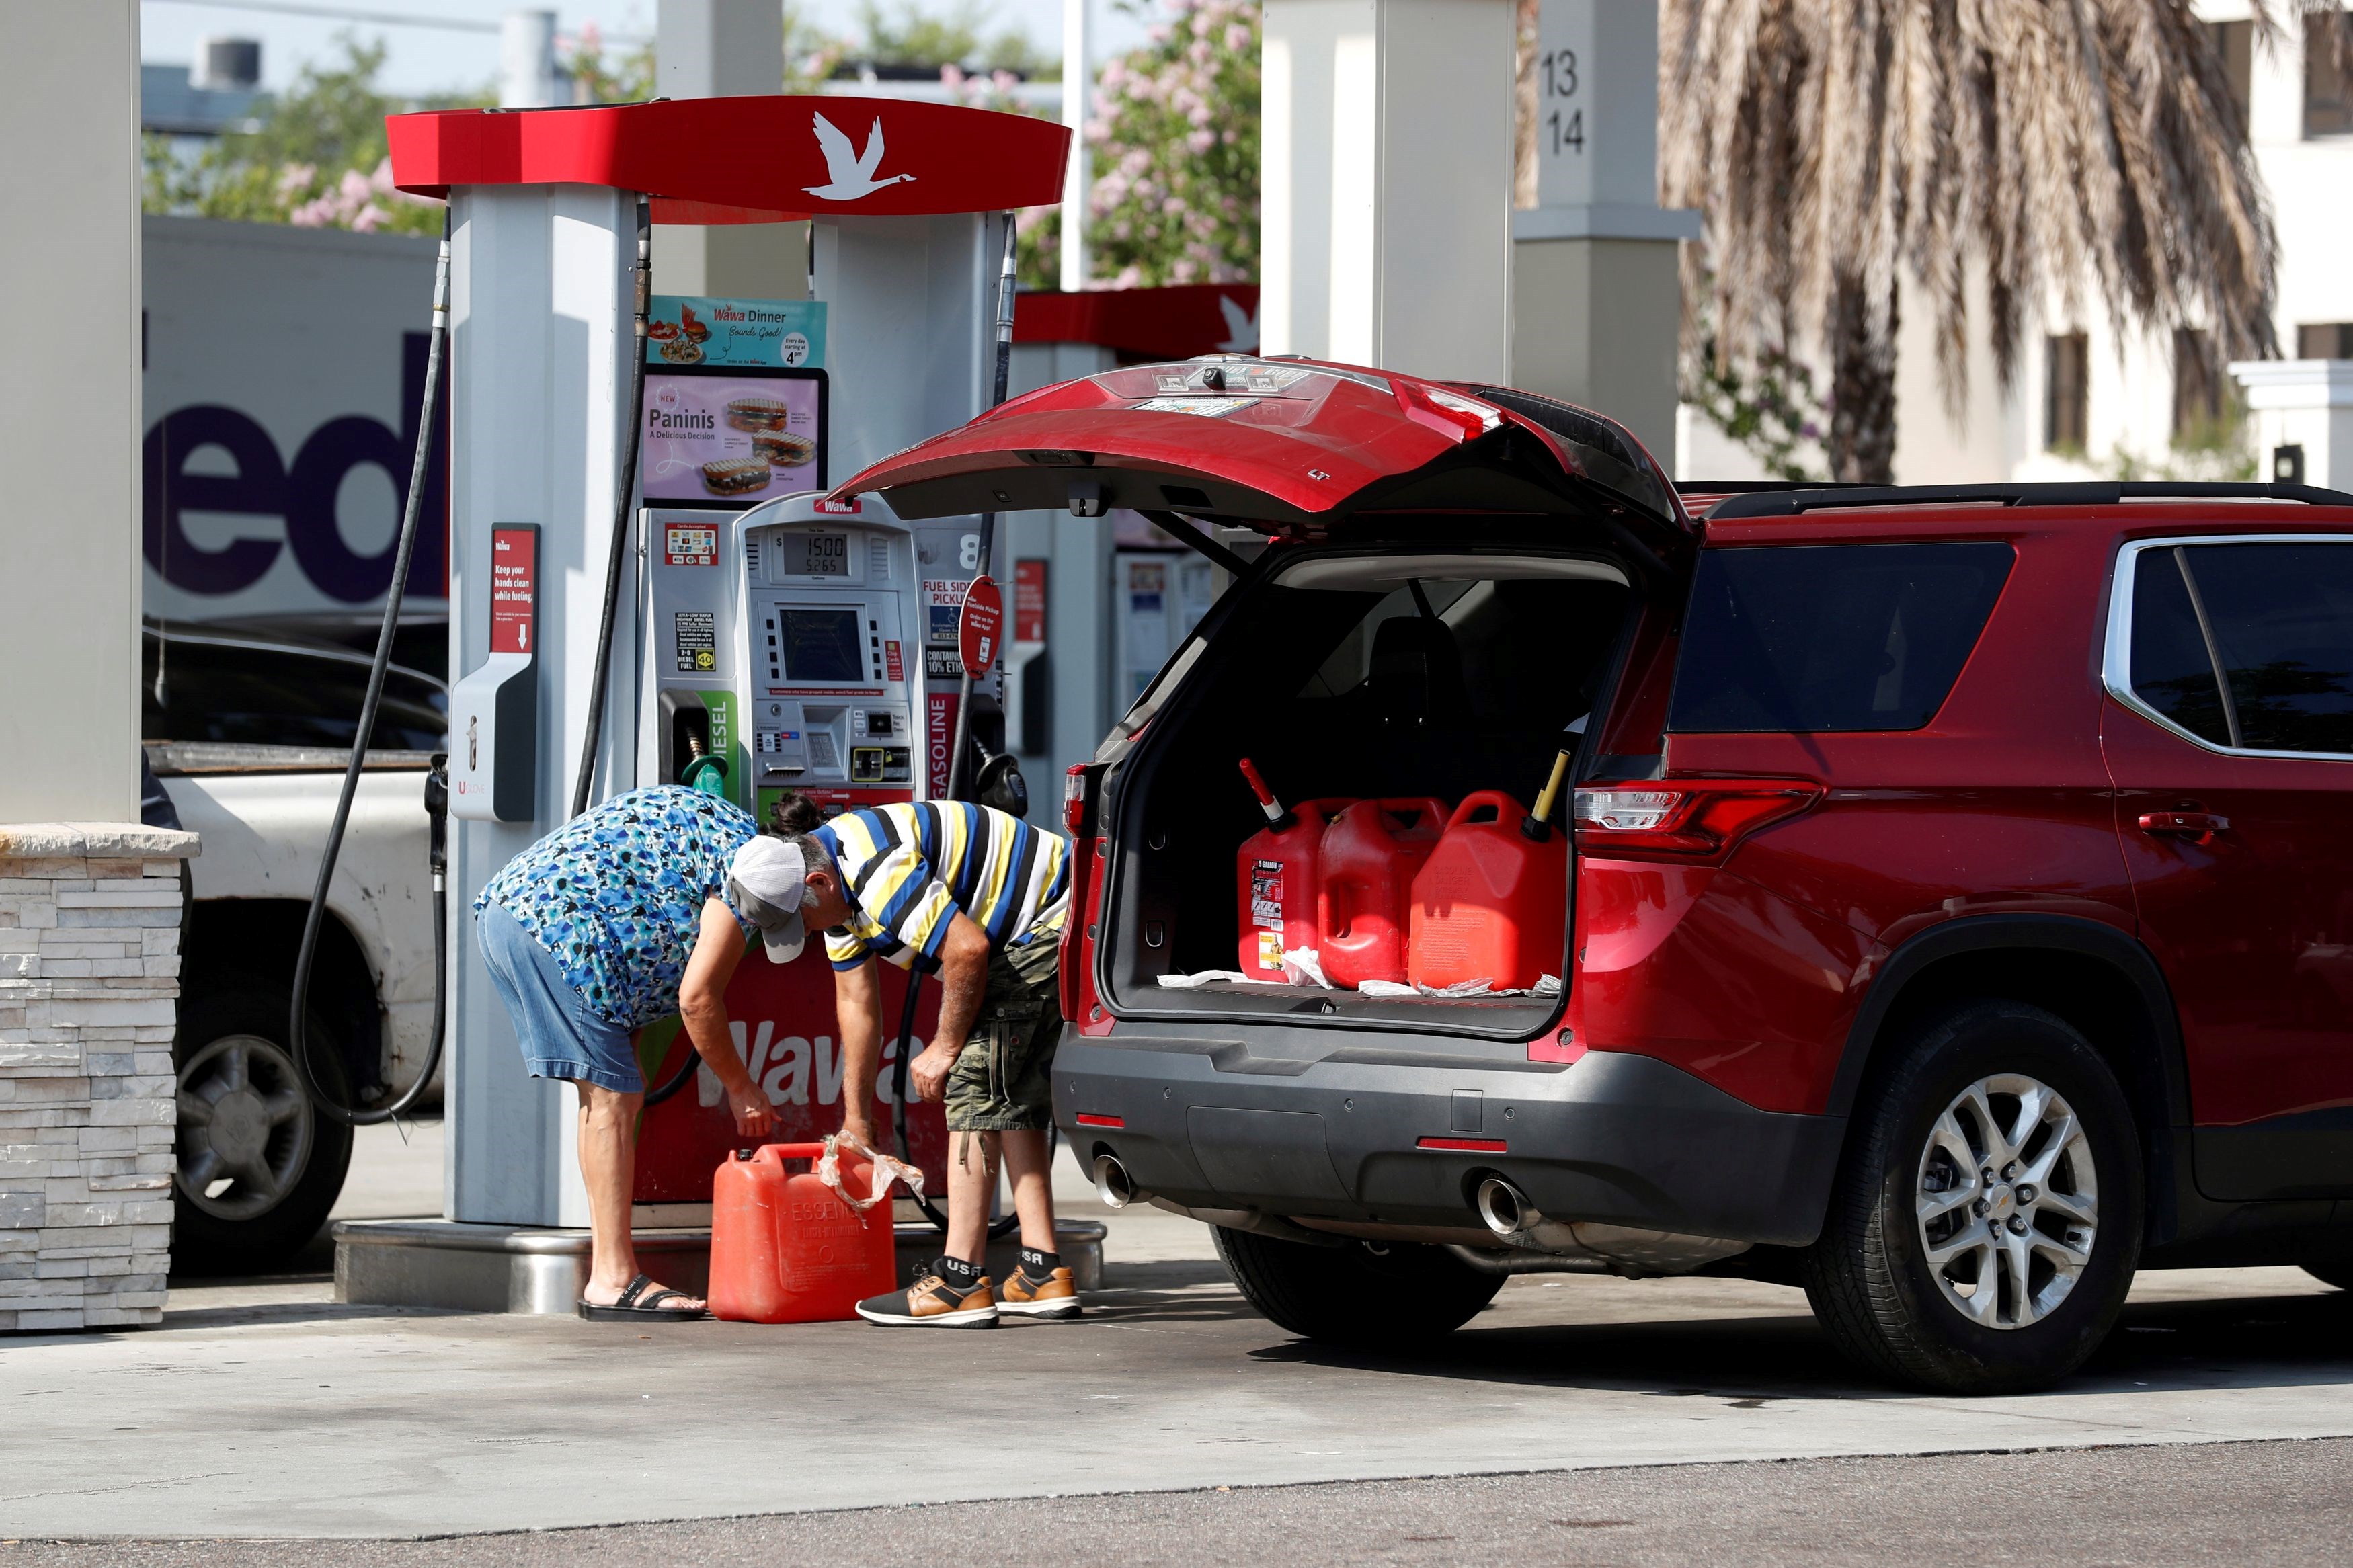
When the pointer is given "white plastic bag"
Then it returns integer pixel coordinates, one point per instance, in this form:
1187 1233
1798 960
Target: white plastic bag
886 1170
1305 965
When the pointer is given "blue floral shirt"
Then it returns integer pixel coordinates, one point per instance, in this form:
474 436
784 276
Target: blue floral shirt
617 895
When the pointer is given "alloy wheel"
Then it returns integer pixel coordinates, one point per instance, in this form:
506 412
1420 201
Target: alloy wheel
2008 1201
246 1127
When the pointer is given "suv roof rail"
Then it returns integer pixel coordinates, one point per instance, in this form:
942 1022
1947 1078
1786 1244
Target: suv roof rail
1790 502
1756 486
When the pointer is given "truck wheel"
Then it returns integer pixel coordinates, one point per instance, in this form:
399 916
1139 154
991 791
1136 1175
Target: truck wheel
258 1165
1987 1220
1395 1298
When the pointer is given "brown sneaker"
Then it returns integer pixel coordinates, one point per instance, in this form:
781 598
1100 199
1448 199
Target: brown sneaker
1052 1297
932 1302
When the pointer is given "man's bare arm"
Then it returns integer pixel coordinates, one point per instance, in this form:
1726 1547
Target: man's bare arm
857 1012
963 981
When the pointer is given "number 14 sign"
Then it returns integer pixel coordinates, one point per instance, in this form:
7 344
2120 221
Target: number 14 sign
1596 102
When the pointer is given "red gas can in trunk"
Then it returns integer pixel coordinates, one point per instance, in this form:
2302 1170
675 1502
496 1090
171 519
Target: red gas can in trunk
1369 856
1491 902
785 1247
1277 875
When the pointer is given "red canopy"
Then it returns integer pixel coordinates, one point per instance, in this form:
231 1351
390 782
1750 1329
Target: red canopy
1173 323
747 159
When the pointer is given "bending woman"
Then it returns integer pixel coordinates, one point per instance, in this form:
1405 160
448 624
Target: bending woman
640 909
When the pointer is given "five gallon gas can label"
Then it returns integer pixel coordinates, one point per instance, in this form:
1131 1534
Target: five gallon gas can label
1266 894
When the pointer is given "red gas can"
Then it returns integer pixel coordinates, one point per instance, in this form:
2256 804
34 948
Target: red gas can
1370 855
788 1248
1491 902
1277 874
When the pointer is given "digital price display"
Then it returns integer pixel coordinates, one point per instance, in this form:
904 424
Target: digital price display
816 554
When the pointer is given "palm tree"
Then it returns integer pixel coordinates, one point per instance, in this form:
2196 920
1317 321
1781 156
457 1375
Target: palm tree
1850 155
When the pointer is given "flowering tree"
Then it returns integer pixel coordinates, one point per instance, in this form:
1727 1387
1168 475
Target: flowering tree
1174 136
318 158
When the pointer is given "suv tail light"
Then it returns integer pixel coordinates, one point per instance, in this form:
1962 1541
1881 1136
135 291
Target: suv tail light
1683 819
1447 413
1075 795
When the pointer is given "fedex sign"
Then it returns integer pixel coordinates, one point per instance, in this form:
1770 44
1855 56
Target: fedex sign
284 369
291 507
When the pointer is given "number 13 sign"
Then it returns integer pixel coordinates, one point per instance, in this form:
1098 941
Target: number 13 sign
1596 102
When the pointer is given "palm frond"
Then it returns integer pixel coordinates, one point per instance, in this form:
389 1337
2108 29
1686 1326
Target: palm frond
1850 154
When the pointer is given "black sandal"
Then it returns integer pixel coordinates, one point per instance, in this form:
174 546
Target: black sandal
635 1305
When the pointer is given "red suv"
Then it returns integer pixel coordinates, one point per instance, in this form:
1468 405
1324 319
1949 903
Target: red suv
1962 903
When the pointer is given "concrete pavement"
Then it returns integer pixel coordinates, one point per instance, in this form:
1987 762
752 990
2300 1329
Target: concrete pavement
263 1409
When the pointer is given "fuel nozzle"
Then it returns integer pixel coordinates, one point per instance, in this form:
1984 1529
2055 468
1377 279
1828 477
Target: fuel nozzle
1278 816
1537 825
703 771
436 817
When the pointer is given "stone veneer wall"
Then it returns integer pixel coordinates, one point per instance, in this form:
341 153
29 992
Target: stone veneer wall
89 977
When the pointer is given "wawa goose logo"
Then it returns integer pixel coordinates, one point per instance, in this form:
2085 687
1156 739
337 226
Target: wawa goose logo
850 175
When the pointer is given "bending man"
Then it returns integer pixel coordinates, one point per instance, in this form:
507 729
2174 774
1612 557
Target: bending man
980 896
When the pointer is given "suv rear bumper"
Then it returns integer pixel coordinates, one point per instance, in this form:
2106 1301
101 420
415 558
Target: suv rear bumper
1336 1132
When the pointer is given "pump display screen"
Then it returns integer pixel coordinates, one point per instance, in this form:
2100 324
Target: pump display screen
815 554
820 644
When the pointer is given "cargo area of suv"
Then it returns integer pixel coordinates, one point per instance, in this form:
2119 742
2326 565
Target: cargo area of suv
1410 680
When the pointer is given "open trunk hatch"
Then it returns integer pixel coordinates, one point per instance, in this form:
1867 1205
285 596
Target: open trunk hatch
1290 447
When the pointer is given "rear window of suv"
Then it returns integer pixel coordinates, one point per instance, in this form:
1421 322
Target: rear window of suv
1824 637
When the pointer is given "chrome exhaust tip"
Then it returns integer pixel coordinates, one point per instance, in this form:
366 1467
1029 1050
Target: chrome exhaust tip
1111 1182
1504 1208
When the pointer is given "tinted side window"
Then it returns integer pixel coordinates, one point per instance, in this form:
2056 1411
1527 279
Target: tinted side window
1832 637
2283 622
2170 669
216 692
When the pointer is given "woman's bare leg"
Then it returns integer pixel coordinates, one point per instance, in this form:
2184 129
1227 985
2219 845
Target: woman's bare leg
609 1165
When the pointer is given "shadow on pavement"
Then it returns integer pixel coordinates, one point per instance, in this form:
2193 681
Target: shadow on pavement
1168 1275
2283 1340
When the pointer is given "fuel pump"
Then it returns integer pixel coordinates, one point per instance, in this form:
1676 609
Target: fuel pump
549 209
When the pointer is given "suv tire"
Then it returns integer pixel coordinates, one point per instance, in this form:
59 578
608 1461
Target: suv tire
283 1164
1971 1080
1397 1299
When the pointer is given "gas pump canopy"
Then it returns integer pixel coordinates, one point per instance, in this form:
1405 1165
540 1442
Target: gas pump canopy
769 158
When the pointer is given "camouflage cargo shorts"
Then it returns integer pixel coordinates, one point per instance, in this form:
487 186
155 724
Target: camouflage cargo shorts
999 1082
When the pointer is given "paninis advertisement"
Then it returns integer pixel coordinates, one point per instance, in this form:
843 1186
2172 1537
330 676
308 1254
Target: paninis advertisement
724 438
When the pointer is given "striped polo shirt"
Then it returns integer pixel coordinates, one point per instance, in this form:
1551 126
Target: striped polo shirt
909 868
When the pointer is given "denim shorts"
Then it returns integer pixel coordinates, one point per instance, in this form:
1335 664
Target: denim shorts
560 1037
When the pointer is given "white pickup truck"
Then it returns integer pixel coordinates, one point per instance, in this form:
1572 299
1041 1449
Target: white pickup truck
244 740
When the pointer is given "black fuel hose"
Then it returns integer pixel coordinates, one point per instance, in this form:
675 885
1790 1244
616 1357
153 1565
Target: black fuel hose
899 1107
297 1035
617 562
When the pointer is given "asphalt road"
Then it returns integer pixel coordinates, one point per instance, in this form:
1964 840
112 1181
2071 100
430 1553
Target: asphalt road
2237 1503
